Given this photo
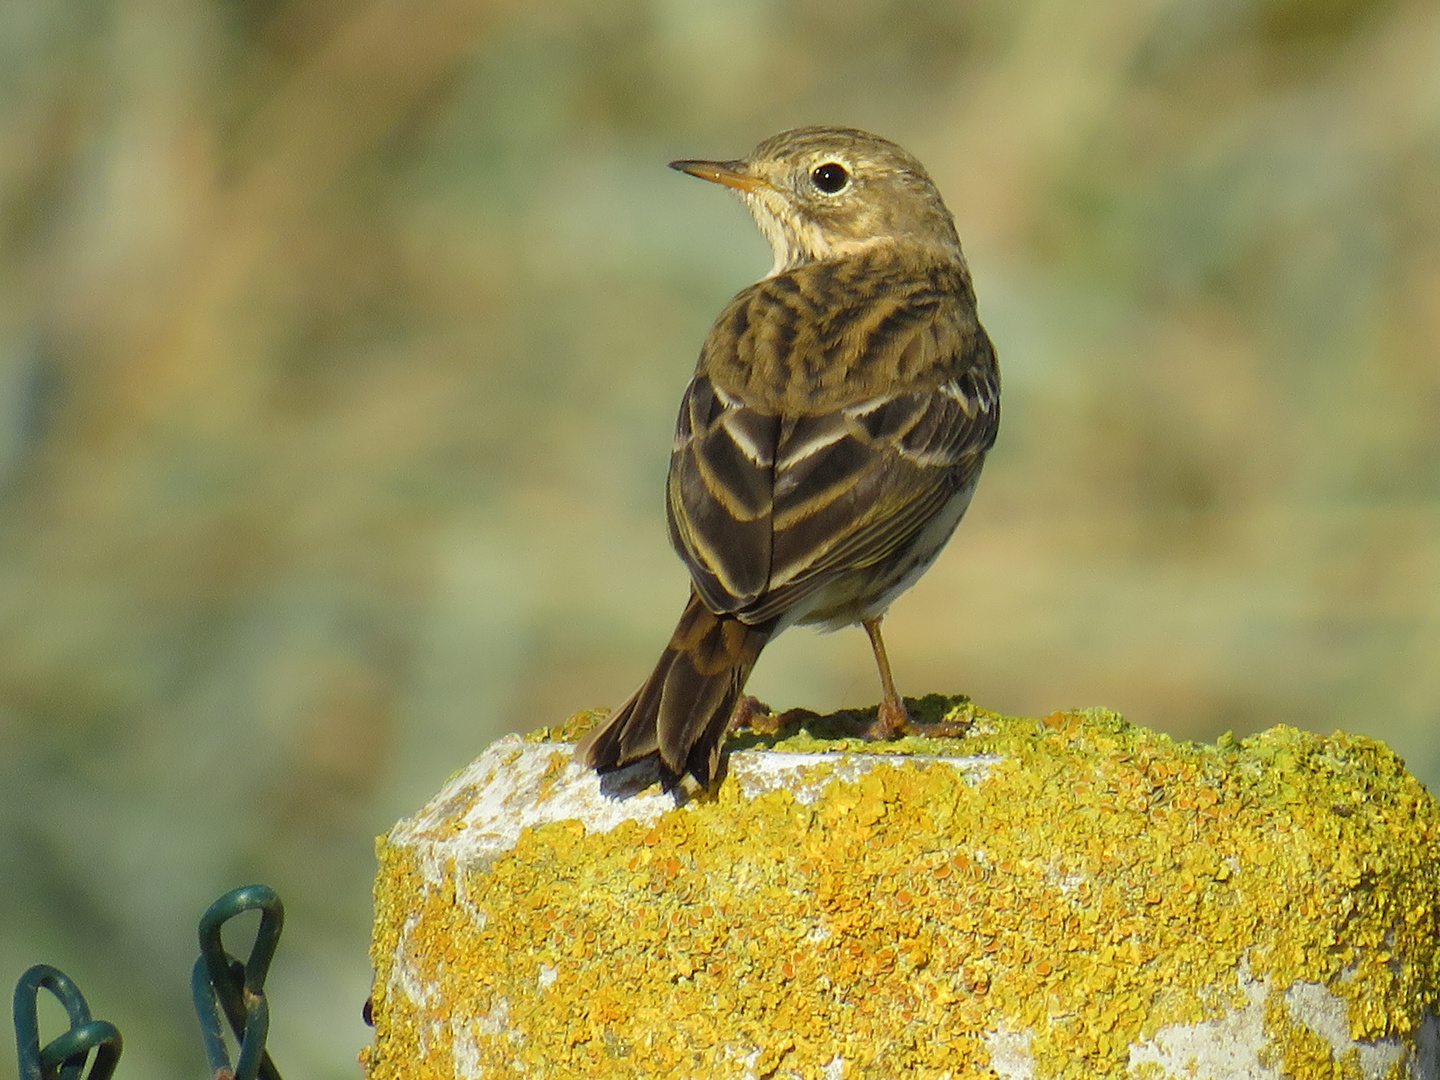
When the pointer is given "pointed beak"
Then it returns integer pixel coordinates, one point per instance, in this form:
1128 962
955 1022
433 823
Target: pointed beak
733 174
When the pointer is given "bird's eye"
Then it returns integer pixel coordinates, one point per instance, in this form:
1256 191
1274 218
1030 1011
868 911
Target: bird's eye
830 177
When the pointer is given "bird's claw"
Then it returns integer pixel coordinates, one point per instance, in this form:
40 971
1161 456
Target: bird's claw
892 721
750 712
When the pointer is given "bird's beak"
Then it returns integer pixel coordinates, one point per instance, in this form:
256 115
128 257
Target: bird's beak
733 174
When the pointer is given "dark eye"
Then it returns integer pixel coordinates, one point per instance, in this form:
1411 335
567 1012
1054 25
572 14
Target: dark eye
830 177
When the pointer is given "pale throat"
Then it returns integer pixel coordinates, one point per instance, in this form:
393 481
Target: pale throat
796 241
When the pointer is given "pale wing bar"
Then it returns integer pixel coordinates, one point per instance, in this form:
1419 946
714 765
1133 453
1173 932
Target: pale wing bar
904 457
721 495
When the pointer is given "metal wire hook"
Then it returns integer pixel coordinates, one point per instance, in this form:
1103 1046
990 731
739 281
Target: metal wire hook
62 1058
219 982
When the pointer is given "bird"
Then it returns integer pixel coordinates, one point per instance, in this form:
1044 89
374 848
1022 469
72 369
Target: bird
828 443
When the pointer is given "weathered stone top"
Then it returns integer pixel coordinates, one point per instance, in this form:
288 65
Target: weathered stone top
1072 889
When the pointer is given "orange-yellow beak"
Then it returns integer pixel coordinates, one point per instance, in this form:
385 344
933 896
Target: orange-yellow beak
733 174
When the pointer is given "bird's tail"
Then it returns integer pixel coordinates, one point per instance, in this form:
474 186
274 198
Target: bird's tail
682 712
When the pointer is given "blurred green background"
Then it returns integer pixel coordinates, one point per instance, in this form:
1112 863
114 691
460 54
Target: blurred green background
341 341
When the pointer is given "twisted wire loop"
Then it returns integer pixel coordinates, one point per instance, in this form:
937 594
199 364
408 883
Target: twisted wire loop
221 984
62 1058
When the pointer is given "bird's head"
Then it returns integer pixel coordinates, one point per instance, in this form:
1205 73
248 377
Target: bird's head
821 193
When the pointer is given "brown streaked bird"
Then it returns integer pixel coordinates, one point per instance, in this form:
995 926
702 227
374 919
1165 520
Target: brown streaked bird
830 440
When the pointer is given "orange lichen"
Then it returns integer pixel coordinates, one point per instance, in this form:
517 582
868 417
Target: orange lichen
1101 881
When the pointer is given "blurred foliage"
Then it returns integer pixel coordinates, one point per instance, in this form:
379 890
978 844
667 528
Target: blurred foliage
340 342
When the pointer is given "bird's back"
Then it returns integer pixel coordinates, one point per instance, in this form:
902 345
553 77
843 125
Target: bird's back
836 410
825 335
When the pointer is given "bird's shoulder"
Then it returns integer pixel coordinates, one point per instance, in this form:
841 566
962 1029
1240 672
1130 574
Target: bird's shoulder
824 335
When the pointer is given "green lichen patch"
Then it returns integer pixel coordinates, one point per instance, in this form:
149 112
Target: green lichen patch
1103 881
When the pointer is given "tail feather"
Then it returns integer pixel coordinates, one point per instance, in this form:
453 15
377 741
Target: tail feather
682 712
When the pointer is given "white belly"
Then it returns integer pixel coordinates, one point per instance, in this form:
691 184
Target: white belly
855 597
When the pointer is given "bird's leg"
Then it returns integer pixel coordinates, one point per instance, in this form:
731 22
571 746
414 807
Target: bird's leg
891 719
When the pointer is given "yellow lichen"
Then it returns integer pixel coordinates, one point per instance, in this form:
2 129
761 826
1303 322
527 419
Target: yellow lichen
1102 876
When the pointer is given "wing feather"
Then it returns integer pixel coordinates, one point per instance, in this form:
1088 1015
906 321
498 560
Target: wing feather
720 495
882 511
774 494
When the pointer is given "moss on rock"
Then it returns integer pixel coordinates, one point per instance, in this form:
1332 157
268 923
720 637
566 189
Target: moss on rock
1067 897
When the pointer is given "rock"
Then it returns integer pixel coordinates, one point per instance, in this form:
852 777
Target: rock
1067 897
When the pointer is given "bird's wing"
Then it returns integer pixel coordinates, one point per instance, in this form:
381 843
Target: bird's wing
769 504
855 488
721 494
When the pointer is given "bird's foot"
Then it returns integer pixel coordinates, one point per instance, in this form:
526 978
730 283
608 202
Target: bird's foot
891 721
750 712
957 723
939 729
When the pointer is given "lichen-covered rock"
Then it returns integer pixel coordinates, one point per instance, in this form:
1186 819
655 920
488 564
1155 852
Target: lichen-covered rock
1067 897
